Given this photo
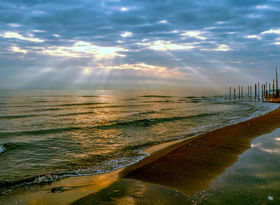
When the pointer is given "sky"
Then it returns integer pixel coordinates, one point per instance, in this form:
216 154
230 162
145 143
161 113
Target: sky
137 44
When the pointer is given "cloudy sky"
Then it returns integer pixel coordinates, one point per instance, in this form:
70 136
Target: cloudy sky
85 44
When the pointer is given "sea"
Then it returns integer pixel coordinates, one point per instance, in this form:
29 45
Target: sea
46 135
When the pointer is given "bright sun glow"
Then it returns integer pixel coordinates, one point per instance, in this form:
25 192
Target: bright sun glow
83 49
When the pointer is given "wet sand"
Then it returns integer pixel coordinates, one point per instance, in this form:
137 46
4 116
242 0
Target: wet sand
191 167
173 173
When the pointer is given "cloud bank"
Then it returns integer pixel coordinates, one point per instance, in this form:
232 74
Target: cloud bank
134 44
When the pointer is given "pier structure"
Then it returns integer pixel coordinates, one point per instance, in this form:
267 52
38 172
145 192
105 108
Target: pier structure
260 91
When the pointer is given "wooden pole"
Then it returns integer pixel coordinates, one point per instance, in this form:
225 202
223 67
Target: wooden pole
242 92
266 89
239 92
258 90
269 87
262 91
273 87
255 91
248 93
277 93
234 93
229 92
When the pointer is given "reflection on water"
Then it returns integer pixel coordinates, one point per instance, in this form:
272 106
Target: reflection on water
55 133
254 179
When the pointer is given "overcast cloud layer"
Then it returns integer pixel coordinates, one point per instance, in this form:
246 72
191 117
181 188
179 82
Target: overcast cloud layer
84 44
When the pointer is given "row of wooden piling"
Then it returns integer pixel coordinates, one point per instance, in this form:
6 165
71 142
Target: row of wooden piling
261 91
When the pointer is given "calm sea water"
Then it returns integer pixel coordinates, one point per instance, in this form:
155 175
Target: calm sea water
47 135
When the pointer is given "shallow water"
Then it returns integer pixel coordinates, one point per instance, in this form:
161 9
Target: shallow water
53 134
254 179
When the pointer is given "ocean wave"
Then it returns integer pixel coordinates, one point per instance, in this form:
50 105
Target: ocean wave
83 167
120 106
145 113
193 99
43 109
44 101
156 96
20 116
159 101
45 114
54 107
196 97
39 131
126 155
20 105
80 104
154 121
11 146
75 113
8 186
90 96
108 164
141 122
15 105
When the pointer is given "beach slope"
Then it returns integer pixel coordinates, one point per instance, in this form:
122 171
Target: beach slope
191 167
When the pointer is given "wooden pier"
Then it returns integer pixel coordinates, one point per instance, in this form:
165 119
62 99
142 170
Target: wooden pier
262 91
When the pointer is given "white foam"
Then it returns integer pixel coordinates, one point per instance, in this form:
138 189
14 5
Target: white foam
262 108
270 198
2 149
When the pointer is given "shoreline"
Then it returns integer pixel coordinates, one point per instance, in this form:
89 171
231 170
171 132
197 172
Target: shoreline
151 169
205 157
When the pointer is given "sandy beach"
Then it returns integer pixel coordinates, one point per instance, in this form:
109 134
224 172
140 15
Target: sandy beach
175 172
139 102
191 167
